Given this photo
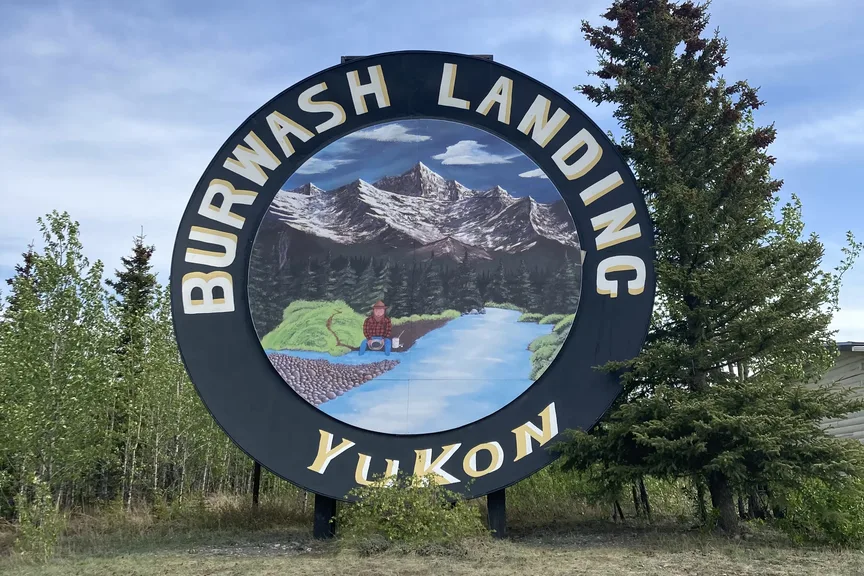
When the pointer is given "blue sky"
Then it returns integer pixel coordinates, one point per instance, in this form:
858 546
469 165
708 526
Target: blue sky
112 110
471 156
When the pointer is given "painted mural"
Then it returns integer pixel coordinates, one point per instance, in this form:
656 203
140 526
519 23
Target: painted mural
414 277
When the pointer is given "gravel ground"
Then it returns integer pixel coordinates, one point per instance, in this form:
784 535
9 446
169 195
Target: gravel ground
318 381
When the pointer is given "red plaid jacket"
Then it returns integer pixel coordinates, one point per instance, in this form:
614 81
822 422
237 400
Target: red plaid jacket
375 328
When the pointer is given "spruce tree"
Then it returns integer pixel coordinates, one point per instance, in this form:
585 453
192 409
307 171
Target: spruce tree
429 291
345 283
364 290
522 290
743 307
498 290
267 290
326 279
467 291
308 282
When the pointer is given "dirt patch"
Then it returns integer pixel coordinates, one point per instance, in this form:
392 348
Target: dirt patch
410 332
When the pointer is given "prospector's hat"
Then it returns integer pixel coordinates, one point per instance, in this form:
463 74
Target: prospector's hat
379 304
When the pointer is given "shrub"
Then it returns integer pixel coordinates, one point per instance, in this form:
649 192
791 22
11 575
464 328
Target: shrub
563 325
819 512
504 306
40 524
409 511
530 317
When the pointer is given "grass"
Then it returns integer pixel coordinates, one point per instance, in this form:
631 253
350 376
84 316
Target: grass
552 529
304 327
545 348
446 315
504 306
551 319
588 546
530 317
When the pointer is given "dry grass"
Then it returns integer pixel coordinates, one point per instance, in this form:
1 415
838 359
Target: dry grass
224 537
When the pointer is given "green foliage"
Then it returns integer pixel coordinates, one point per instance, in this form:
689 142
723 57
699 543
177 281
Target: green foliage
505 306
563 325
408 510
445 315
40 524
530 317
551 319
825 513
304 327
744 307
546 347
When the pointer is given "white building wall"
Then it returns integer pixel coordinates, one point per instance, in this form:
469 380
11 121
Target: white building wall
848 372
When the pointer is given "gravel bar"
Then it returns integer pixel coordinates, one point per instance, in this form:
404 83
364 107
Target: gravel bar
318 381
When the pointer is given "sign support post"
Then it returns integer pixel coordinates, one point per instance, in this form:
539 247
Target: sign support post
496 510
324 524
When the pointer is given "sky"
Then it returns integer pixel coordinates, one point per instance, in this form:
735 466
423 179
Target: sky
111 110
472 157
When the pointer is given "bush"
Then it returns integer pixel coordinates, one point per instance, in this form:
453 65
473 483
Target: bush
551 319
819 512
504 306
563 325
40 524
530 317
408 510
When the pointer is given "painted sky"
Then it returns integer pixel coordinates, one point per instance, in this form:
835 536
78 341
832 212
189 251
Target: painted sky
471 156
113 109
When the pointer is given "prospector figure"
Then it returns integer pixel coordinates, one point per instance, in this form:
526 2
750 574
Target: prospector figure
377 329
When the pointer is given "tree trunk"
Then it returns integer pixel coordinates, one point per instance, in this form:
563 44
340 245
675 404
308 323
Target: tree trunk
643 494
755 505
722 501
741 512
635 500
618 510
700 500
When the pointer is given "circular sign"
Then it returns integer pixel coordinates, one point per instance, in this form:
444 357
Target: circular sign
412 262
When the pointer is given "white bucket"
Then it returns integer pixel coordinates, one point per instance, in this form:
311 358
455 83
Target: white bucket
396 342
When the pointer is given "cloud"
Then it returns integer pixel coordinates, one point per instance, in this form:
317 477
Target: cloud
321 165
538 173
813 141
389 133
471 153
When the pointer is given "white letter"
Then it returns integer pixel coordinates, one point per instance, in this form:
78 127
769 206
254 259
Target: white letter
207 283
587 161
527 431
361 474
230 196
501 94
612 223
536 117
249 162
445 92
609 287
376 86
469 463
326 452
281 126
424 465
337 113
601 188
207 257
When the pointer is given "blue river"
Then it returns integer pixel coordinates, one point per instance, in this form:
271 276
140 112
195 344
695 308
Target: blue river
452 376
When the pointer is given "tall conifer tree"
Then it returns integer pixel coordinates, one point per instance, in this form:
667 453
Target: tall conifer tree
738 285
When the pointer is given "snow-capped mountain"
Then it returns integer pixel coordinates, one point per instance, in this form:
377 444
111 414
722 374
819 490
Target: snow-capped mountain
423 182
423 213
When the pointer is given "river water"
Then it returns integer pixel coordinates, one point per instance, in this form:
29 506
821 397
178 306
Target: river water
452 376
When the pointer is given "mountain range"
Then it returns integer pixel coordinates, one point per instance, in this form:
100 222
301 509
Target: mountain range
419 214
